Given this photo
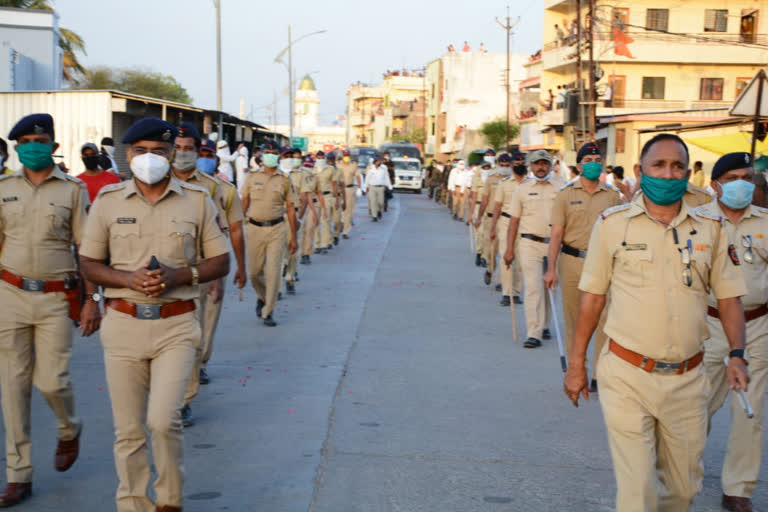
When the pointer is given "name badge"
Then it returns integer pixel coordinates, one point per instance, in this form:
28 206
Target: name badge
10 198
636 247
576 202
533 193
126 220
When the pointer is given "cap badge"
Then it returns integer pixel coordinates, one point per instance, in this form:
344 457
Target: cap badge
167 135
38 129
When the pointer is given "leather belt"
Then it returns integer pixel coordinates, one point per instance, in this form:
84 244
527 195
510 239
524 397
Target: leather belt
572 251
489 215
314 199
378 185
350 186
748 315
152 311
327 193
651 365
266 223
478 202
505 214
535 238
33 285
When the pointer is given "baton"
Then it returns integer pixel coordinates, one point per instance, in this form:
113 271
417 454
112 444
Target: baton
743 398
472 237
553 306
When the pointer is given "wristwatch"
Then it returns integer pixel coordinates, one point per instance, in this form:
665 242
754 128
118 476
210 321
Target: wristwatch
195 276
95 297
738 352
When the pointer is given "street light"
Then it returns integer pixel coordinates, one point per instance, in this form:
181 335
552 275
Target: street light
279 58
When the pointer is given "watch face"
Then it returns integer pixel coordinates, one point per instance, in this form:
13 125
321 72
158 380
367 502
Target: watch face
96 297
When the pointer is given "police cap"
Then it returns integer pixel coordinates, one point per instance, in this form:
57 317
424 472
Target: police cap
36 124
150 128
538 155
207 145
490 151
590 148
187 129
504 158
730 162
518 155
270 145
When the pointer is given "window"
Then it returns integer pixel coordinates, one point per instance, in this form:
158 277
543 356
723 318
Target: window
653 87
741 84
716 20
386 132
621 135
433 129
657 19
433 90
711 89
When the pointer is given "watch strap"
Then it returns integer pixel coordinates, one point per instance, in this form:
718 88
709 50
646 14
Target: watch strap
738 352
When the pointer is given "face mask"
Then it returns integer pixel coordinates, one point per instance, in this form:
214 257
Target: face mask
149 168
737 194
321 163
185 160
520 170
346 159
296 162
286 164
592 170
36 156
91 162
207 165
270 160
490 159
663 192
545 178
505 170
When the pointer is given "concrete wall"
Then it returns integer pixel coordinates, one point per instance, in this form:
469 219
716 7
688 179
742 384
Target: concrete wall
30 57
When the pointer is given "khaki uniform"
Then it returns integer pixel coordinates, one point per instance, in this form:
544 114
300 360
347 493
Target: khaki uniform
350 174
477 188
268 196
312 186
38 225
656 421
325 184
511 278
338 203
742 458
489 192
576 210
296 179
149 362
532 204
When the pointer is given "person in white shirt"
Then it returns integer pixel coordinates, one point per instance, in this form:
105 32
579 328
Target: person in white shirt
465 188
376 179
241 165
225 160
455 181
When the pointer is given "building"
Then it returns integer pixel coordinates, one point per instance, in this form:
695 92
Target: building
655 64
363 102
30 56
464 91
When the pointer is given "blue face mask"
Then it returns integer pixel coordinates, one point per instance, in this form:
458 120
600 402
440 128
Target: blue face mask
592 170
207 165
662 191
270 160
737 195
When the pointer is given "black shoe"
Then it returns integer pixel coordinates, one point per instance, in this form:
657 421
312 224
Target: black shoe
204 380
504 301
330 246
467 223
380 214
455 217
296 276
498 288
335 240
304 260
478 260
186 416
345 237
259 306
593 386
279 295
532 343
517 300
269 321
318 251
290 288
375 219
487 278
546 334
483 263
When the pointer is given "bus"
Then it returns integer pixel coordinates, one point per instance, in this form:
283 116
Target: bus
363 156
400 150
406 158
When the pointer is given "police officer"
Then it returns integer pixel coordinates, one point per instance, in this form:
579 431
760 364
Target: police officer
296 178
577 206
483 221
338 194
316 204
747 226
475 195
531 212
694 196
189 156
42 214
150 333
352 183
327 189
657 259
511 279
267 202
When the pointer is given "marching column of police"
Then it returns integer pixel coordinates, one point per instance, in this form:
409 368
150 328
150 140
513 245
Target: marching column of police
158 247
670 279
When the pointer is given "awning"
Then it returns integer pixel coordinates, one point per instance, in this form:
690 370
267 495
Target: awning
722 144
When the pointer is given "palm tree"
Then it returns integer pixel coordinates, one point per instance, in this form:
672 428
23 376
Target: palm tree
69 41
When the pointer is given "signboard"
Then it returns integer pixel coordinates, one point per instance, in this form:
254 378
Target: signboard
301 143
755 93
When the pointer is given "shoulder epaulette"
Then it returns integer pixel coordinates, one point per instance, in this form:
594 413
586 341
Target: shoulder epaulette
74 179
612 187
111 188
569 184
615 209
6 176
703 211
761 209
505 179
191 186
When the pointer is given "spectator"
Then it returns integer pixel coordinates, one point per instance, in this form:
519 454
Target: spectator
225 160
698 178
241 165
451 49
560 35
482 48
95 177
561 92
4 158
466 47
107 159
607 96
574 171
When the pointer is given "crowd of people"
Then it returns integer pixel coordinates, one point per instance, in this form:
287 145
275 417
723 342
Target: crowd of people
668 278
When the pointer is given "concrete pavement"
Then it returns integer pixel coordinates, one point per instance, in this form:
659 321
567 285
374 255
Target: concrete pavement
392 383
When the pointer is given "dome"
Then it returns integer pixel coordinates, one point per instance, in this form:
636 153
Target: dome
307 84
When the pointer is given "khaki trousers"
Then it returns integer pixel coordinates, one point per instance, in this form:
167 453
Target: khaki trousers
742 456
265 256
325 238
208 315
148 364
376 198
537 309
458 203
569 274
290 261
35 348
657 431
337 217
479 239
510 277
349 212
310 226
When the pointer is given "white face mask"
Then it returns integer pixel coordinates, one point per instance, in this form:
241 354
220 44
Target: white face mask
149 168
286 164
296 162
321 164
185 160
490 159
109 150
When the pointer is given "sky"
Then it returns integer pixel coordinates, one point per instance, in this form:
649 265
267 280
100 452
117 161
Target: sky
363 39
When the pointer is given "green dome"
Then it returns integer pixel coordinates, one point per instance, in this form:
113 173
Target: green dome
307 84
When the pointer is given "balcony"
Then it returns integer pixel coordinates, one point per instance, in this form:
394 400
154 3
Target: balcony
552 117
557 58
357 119
558 5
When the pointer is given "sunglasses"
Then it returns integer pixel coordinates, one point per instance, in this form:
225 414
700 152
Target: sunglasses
685 258
746 241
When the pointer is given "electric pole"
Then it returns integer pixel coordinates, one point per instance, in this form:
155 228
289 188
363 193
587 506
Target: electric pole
508 27
217 4
290 85
592 100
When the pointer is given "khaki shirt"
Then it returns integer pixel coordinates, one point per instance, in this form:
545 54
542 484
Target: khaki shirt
38 224
505 193
350 171
533 203
311 184
325 179
297 184
490 187
754 225
576 210
181 229
223 194
635 259
268 195
477 186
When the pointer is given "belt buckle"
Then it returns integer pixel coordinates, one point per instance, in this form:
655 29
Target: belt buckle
667 368
32 285
148 311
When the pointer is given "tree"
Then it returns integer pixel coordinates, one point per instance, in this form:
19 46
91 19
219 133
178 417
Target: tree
417 136
70 43
495 132
143 82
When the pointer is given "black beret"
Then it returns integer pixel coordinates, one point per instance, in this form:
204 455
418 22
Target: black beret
730 162
504 158
187 129
491 151
150 128
330 156
590 148
33 124
270 144
319 154
518 155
